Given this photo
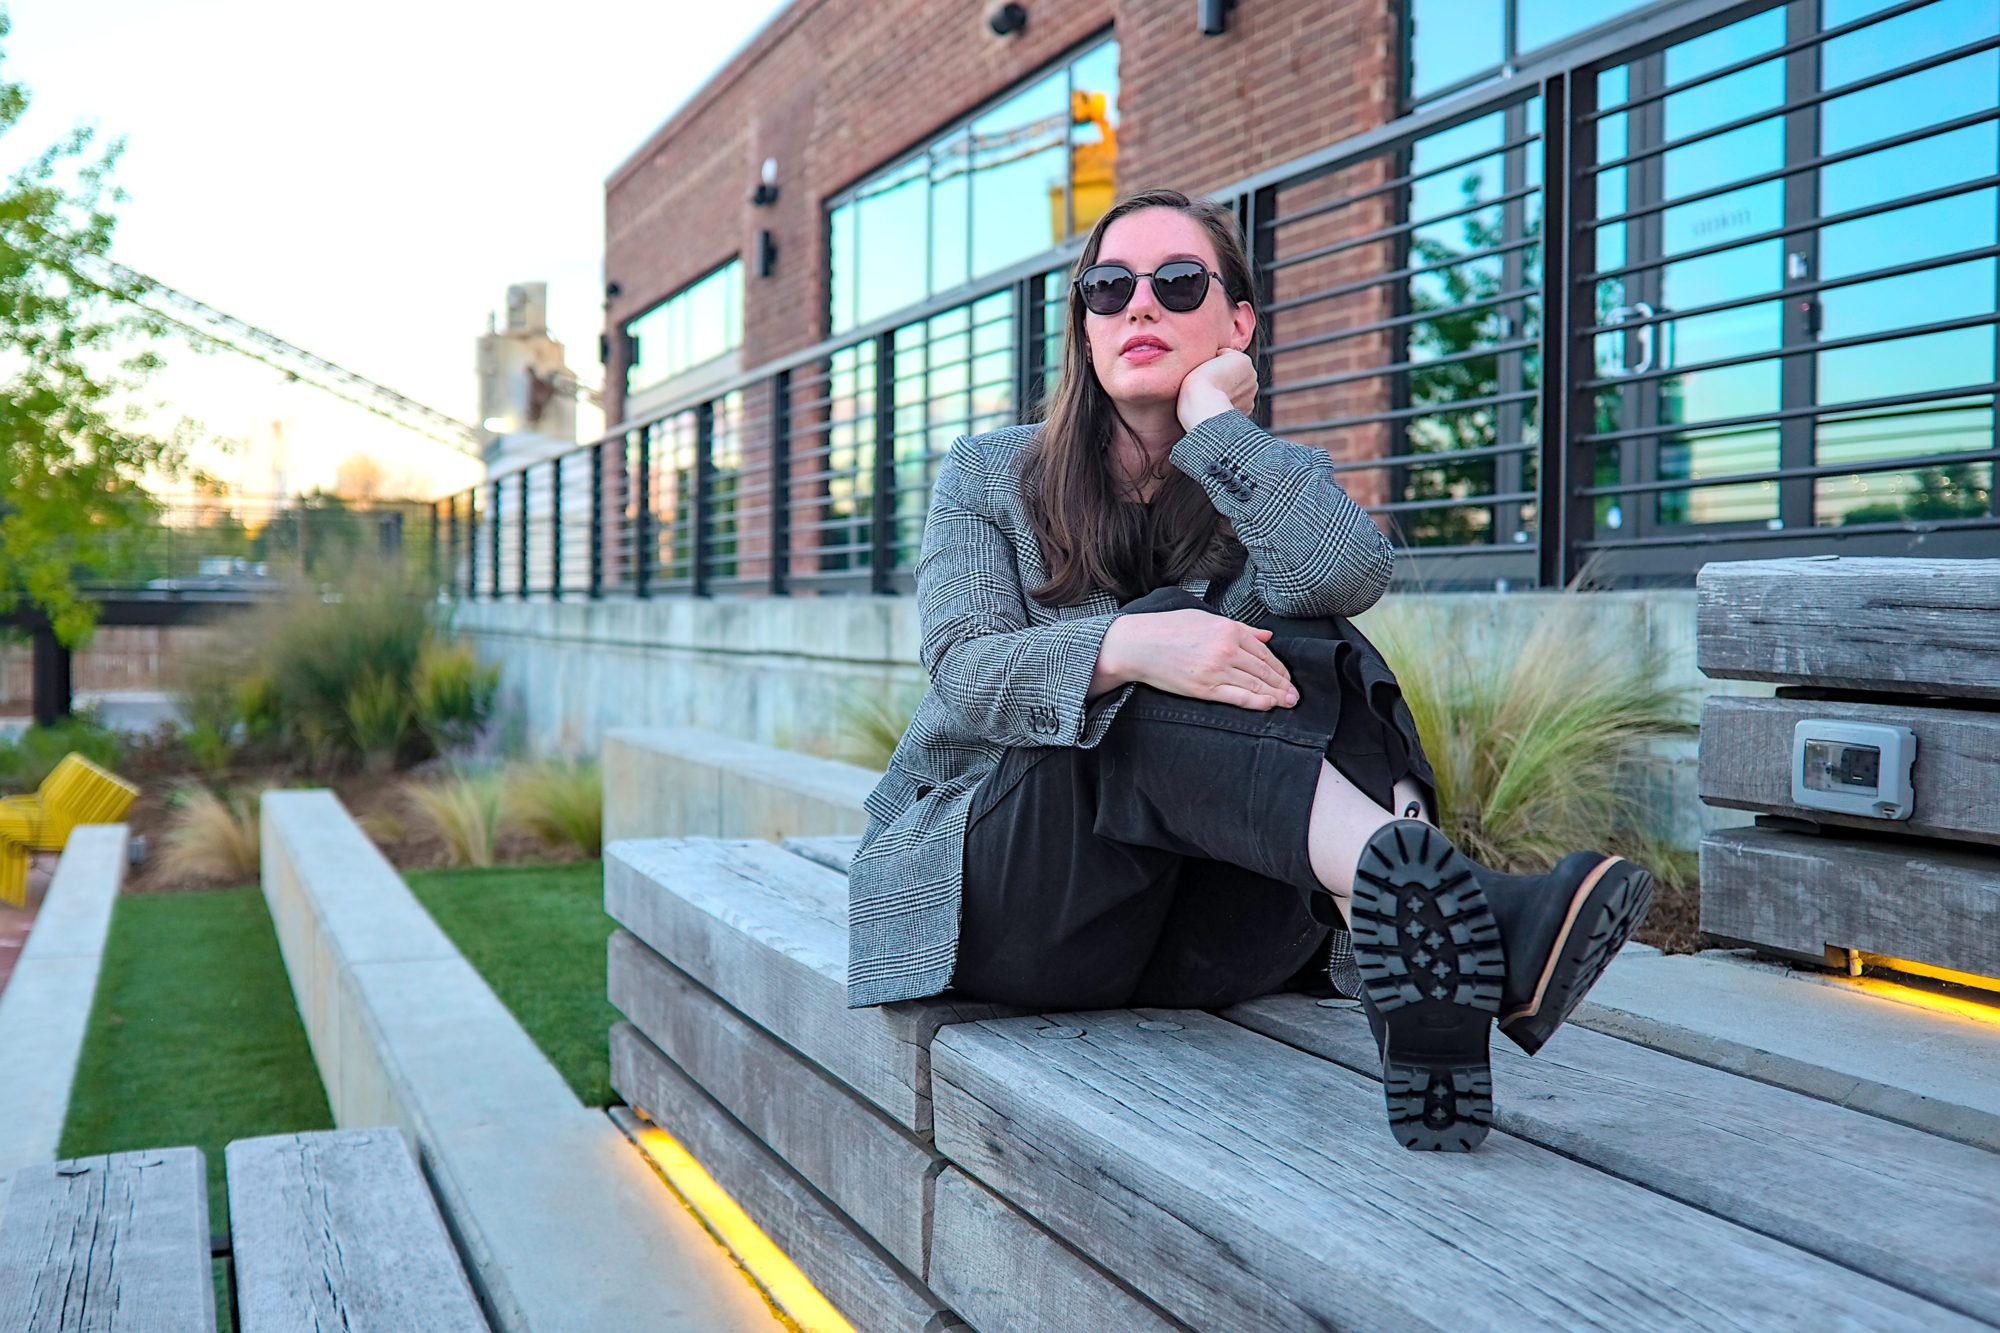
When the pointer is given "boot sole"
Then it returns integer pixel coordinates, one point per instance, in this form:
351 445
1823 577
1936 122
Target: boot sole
1431 963
1606 910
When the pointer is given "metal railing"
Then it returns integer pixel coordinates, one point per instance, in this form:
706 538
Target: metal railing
1573 318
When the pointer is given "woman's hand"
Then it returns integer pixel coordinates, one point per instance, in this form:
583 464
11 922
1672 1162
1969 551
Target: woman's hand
1224 381
1196 654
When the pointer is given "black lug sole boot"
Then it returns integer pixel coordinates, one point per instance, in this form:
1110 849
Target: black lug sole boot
1560 931
1432 968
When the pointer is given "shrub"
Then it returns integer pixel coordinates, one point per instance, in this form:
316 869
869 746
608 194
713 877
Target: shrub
561 802
26 760
465 812
1532 740
451 693
212 837
377 717
211 750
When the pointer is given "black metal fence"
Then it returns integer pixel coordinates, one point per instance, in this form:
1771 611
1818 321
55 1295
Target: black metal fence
1719 284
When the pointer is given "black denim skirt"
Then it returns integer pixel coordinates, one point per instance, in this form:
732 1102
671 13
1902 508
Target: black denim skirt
1168 866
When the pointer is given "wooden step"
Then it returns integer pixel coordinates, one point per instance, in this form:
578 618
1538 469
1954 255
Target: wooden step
1239 1183
1788 1166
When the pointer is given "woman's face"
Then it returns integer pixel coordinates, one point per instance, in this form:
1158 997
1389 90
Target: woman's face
1142 353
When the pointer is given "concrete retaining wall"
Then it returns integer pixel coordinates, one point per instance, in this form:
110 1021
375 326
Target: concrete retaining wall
560 1223
45 1009
798 672
678 782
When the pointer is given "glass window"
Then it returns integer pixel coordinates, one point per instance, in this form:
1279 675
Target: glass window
695 325
1453 42
1011 182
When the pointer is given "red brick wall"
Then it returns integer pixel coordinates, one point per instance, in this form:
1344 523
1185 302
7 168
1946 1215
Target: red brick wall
835 88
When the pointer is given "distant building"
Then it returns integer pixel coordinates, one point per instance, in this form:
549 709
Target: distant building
527 393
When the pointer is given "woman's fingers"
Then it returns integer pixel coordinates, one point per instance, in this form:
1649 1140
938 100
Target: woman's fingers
1265 662
1246 685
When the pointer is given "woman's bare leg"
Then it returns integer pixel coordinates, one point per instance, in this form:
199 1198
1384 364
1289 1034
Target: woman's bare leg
1343 820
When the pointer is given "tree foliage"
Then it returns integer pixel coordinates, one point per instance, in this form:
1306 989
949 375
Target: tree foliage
73 449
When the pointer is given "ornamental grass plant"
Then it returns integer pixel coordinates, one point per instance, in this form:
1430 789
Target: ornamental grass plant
213 838
560 801
465 810
1539 740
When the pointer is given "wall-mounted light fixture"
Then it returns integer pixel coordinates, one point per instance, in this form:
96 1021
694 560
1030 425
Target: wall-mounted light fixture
766 192
613 291
1008 20
767 254
1215 16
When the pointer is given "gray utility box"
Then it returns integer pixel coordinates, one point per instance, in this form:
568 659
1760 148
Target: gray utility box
1875 769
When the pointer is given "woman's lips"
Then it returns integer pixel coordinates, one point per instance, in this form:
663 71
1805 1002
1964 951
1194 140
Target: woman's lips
1143 354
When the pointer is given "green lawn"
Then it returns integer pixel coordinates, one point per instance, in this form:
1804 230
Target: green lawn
537 934
194 1037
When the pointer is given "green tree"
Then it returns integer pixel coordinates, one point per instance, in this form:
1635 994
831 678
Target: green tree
73 450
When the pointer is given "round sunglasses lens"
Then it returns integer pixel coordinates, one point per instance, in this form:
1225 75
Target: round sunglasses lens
1106 290
1180 285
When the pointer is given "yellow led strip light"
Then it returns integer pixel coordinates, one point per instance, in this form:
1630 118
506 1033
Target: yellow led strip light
788 1289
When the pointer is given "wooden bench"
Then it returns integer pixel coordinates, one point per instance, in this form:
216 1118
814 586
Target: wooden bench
329 1230
932 1164
1901 643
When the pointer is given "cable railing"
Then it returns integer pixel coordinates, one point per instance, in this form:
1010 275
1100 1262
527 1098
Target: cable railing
1727 291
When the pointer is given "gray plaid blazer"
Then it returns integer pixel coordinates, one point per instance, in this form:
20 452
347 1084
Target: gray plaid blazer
1006 670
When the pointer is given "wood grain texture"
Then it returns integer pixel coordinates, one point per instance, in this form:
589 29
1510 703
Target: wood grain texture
1918 1211
863 1282
115 1244
338 1231
1797 893
1239 1183
766 930
1911 626
1001 1271
873 1169
1746 763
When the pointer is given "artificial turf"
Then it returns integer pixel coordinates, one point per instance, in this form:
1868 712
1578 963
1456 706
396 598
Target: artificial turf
537 935
194 1036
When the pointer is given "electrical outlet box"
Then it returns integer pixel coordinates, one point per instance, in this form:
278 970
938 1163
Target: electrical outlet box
1854 768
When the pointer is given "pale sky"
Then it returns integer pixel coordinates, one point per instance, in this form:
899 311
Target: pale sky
363 180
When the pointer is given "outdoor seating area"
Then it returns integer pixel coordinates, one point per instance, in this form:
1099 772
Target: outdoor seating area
329 1230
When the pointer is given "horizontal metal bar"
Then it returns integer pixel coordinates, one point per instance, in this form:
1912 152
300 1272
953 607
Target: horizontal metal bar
1453 502
1400 228
1799 289
1424 460
1813 99
1797 168
1759 58
1400 321
1420 410
1864 468
1792 349
1814 224
1817 532
1401 367
1786 414
1400 275
1349 199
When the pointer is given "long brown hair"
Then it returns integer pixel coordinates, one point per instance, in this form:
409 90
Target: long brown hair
1088 538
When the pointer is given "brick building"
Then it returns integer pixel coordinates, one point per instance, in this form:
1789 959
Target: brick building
1765 324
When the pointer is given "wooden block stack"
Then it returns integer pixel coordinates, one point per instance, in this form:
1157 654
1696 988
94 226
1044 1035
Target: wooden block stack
1908 643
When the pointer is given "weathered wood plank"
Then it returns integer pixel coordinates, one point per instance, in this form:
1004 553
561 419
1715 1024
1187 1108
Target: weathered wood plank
117 1243
339 1231
1912 626
874 1170
1001 1271
1746 763
834 851
766 930
1241 1184
871 1289
1774 1160
1799 893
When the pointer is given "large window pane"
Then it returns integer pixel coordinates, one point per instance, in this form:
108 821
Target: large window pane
695 325
1093 136
1020 175
951 187
893 268
1452 40
1541 22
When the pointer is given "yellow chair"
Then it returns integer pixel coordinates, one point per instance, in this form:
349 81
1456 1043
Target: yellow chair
75 792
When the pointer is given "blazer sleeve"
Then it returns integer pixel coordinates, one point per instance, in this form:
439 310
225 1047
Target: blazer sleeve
1002 678
1313 551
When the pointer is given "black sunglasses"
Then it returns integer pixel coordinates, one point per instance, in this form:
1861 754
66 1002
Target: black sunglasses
1180 285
